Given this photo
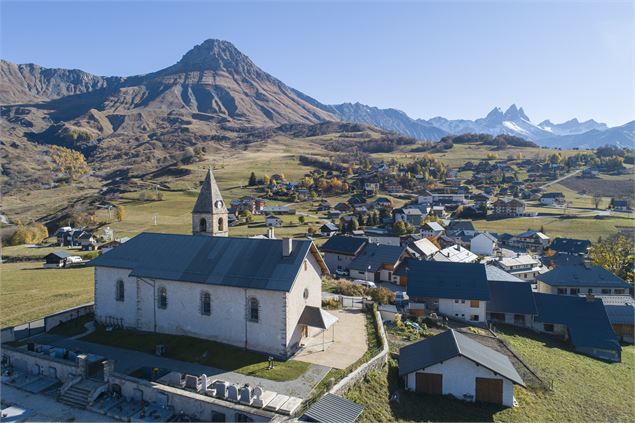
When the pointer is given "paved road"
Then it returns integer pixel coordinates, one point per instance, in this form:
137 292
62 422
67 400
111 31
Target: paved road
127 361
562 178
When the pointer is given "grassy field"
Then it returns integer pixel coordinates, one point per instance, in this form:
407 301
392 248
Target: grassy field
196 350
585 389
29 292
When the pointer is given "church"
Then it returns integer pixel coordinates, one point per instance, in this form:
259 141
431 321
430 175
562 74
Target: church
259 294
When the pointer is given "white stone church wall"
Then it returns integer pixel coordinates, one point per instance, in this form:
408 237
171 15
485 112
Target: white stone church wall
107 307
311 280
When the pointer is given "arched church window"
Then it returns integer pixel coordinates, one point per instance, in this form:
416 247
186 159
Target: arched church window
206 303
202 225
163 298
221 225
254 312
119 291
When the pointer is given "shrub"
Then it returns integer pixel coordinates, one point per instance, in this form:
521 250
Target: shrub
382 295
331 304
31 234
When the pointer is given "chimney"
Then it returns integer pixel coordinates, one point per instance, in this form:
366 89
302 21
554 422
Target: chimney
458 247
270 233
287 246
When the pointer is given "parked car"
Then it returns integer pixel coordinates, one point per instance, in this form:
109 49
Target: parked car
367 284
401 298
340 272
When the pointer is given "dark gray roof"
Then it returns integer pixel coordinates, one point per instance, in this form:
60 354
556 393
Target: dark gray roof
621 314
450 344
343 244
316 317
374 256
570 245
238 262
562 259
208 195
461 225
58 254
582 276
511 297
334 409
329 226
587 321
436 279
497 274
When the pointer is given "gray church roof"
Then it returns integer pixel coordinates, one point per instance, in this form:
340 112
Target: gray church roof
236 262
208 195
334 409
450 344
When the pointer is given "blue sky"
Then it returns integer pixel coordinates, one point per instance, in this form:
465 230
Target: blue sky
456 59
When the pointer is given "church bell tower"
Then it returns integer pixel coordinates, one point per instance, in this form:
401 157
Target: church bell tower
209 215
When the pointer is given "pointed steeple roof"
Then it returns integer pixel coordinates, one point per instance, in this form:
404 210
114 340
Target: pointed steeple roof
208 195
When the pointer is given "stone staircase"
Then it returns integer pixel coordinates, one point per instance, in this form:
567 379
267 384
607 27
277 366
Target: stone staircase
78 394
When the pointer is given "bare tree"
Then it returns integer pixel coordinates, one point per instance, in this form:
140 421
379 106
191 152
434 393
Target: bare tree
597 200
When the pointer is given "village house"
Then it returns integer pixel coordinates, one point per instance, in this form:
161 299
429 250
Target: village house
578 247
576 280
466 227
340 250
431 229
377 263
87 241
530 240
522 266
457 290
552 198
511 302
508 207
412 216
484 244
455 254
258 294
619 205
453 364
59 259
621 313
329 229
273 221
423 248
580 320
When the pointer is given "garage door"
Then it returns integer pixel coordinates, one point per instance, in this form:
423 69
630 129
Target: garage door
489 390
429 383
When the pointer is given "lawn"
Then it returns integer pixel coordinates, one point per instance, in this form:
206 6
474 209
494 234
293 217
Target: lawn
29 292
584 389
200 351
73 327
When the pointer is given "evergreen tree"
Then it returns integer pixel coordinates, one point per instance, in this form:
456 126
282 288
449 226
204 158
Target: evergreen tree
252 179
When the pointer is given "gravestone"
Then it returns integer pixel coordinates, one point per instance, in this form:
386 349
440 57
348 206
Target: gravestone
232 393
204 383
174 379
245 394
221 389
261 397
191 382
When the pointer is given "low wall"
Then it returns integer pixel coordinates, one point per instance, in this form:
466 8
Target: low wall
45 324
28 360
374 363
190 403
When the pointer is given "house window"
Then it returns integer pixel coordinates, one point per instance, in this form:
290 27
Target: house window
474 303
606 291
206 303
119 294
254 312
562 291
548 327
462 301
474 317
618 291
202 225
574 291
163 298
221 226
456 301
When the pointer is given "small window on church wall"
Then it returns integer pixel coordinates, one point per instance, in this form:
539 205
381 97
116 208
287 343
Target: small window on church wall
253 310
163 298
306 265
202 226
119 294
220 224
206 303
305 294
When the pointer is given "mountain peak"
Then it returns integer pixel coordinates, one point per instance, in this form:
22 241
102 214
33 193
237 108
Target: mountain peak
215 55
495 114
514 113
